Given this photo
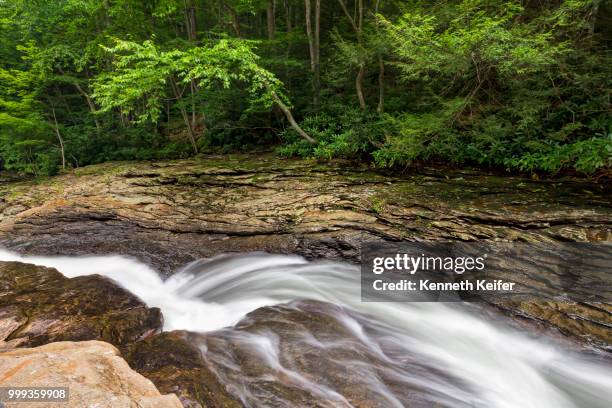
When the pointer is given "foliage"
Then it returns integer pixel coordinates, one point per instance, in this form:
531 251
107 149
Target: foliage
139 84
25 137
341 132
518 85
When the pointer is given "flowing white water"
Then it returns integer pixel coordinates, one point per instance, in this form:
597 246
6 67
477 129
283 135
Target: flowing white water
506 368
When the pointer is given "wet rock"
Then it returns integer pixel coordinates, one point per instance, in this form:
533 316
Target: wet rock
170 213
315 354
93 371
590 322
302 354
178 366
39 305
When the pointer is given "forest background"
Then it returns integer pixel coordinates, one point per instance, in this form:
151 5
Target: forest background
518 86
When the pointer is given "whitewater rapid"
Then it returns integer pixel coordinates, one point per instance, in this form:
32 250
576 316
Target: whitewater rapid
506 368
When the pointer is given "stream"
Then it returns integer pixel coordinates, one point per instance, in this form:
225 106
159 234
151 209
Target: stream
314 329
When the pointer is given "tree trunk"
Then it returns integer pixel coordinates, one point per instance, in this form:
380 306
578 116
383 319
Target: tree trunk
360 17
185 116
317 47
314 46
235 22
361 73
189 129
381 70
308 15
594 12
359 87
192 35
90 104
350 18
270 11
381 85
287 15
106 13
193 89
356 22
191 24
285 109
59 138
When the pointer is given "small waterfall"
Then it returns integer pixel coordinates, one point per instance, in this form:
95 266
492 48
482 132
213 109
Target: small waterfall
496 365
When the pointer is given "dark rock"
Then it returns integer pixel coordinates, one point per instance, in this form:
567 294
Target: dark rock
176 365
39 305
301 354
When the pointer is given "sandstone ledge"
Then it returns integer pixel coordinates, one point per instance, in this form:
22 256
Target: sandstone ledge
92 370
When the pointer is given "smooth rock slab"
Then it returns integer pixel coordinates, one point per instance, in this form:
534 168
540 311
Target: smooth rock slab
301 354
92 370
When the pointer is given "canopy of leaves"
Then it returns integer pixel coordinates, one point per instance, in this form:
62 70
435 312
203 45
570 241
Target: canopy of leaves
145 76
522 86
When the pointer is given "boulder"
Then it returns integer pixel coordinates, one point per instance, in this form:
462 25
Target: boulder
301 354
39 305
93 371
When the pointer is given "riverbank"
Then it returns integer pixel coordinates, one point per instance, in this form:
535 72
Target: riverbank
170 213
239 203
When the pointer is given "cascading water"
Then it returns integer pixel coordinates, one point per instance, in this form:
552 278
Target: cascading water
464 359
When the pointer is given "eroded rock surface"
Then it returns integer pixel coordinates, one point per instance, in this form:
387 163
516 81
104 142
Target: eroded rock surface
173 212
590 322
93 371
170 213
301 354
39 305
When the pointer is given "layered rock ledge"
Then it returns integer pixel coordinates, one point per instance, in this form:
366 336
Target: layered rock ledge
169 213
